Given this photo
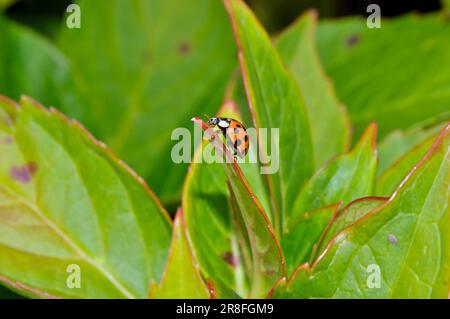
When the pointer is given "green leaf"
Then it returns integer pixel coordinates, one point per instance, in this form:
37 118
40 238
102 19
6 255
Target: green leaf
31 65
66 201
206 200
348 177
4 4
446 4
145 68
276 102
400 142
267 262
182 278
5 293
219 290
389 181
407 238
386 75
298 243
331 129
347 216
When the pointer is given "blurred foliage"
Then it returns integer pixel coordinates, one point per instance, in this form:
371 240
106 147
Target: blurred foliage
5 4
276 14
44 15
386 75
136 70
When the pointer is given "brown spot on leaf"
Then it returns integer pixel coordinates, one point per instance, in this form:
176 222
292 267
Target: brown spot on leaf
184 48
23 173
146 57
9 121
392 239
230 258
352 40
8 139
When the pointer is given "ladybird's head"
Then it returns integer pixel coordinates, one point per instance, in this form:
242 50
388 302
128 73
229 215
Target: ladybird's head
213 121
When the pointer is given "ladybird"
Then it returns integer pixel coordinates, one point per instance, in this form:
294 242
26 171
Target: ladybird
235 133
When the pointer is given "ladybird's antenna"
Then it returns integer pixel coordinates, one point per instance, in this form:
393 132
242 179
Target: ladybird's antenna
206 116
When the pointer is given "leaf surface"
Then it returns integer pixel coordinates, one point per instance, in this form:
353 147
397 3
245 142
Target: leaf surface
267 264
182 278
66 201
299 242
145 68
42 72
347 216
404 242
276 103
386 75
347 177
207 201
389 181
398 143
331 129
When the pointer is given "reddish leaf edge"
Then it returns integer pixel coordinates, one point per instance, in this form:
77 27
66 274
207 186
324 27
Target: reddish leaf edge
370 132
52 111
306 266
218 144
19 288
337 213
209 285
398 162
247 88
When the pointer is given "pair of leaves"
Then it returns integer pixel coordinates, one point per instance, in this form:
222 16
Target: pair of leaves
346 178
276 103
182 278
248 224
208 200
68 204
405 240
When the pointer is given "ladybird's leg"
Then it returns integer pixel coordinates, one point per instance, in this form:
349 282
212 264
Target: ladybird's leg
214 135
235 154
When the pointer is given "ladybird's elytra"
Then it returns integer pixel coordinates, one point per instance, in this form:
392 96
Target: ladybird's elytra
234 132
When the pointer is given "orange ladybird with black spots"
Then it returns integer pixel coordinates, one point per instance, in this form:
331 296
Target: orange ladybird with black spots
234 132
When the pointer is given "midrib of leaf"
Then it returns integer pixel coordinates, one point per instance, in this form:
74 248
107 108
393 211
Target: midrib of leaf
56 229
239 273
104 271
120 138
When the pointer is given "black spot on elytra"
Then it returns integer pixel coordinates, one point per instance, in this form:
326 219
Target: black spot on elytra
237 142
352 40
184 48
230 258
23 173
246 138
